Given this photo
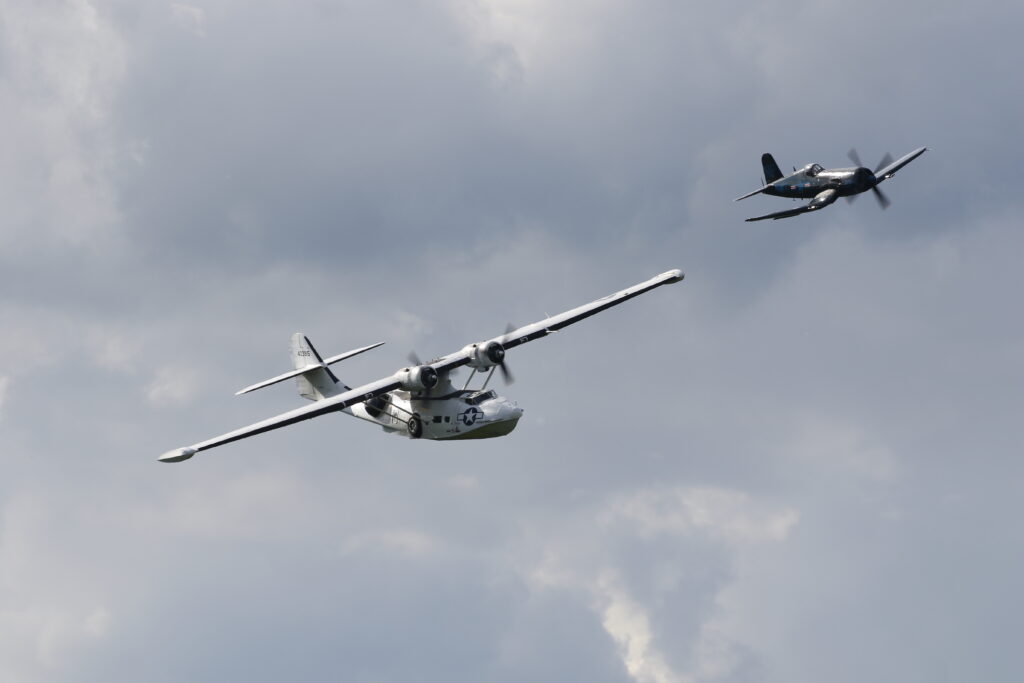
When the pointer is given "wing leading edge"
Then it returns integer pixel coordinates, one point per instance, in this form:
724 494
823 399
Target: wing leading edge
382 386
890 170
542 328
327 405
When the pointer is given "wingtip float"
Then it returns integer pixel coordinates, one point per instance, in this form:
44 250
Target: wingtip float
177 455
672 276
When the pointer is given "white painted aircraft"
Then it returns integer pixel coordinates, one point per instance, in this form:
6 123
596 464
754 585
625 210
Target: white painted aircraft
418 401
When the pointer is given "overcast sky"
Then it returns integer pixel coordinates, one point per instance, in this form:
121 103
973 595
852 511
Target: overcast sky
800 465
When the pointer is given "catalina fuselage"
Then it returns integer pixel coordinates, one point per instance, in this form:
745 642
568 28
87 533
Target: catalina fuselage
442 415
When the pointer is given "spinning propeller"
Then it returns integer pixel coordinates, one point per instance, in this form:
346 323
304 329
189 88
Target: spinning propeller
883 201
506 374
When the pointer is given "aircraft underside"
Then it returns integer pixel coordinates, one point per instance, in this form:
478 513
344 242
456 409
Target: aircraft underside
459 415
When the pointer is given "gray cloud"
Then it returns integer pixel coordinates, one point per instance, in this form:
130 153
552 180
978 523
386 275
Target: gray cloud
799 464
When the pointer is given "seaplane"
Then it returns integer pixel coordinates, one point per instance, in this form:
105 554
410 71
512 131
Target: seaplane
418 401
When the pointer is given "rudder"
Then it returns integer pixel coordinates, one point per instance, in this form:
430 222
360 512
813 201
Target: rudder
771 169
319 382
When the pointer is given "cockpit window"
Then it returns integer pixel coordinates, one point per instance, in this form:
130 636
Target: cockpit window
814 169
480 396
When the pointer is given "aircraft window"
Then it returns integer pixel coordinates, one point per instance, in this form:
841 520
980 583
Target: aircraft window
437 418
447 418
480 396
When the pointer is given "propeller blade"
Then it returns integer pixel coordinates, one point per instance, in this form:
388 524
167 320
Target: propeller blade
508 328
854 157
414 358
886 160
506 374
883 201
850 198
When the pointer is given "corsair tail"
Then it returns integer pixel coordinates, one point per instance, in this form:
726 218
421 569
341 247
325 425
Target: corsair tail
771 169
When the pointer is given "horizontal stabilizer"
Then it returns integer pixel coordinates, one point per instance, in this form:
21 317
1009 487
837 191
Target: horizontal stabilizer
751 194
312 366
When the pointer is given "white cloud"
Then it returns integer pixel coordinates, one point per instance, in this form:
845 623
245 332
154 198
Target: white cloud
172 384
64 64
732 515
48 618
4 384
46 638
190 18
827 440
628 624
113 349
580 557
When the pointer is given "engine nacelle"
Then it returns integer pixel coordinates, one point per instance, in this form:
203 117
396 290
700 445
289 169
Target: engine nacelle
485 356
419 378
376 406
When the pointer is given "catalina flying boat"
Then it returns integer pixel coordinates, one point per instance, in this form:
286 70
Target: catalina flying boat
418 401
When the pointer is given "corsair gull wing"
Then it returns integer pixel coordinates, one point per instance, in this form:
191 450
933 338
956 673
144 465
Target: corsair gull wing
890 170
781 214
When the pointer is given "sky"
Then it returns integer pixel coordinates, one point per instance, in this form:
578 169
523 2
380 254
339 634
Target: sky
800 464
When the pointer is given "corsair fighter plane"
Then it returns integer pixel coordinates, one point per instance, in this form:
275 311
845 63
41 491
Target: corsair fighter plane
418 401
823 186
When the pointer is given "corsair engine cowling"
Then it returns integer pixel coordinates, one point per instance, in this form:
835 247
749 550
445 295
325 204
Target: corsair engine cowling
419 378
485 356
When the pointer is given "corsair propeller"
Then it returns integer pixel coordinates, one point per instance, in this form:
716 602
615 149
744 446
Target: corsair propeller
883 201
